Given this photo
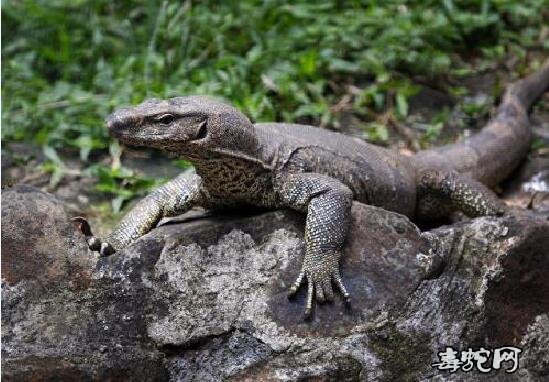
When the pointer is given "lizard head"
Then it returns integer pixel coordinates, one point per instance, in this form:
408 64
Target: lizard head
194 127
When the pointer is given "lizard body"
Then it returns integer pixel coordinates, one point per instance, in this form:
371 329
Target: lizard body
315 171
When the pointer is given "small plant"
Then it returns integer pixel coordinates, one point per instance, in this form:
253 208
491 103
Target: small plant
68 64
121 183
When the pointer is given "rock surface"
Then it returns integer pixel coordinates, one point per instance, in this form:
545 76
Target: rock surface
204 298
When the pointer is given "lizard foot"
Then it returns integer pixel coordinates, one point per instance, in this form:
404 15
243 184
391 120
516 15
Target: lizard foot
94 243
319 283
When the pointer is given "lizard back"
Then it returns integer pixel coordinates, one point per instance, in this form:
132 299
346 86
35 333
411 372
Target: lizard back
376 175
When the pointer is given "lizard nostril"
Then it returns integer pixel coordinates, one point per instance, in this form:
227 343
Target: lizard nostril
114 123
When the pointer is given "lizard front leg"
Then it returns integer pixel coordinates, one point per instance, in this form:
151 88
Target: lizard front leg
327 203
173 198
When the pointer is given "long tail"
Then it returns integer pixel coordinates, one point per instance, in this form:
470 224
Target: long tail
492 154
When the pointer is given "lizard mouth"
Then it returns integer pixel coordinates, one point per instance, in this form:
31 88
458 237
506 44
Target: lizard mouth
189 132
134 136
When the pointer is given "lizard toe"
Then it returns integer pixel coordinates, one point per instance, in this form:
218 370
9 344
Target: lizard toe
309 303
319 292
339 284
94 243
328 291
297 283
106 250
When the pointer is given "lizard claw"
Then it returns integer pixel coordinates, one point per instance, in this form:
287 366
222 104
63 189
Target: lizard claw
82 225
106 250
295 286
309 303
319 284
94 243
339 283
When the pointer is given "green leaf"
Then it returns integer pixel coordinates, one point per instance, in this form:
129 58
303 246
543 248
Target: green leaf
377 132
118 202
182 164
401 105
85 143
51 154
433 131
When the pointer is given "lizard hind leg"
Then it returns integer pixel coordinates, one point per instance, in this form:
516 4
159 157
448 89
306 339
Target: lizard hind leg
442 192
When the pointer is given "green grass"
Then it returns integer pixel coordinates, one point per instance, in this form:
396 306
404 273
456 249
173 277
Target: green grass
67 64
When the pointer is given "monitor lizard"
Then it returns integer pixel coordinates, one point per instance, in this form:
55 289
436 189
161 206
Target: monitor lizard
315 171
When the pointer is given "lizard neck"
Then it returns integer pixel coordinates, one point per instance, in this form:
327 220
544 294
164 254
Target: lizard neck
234 178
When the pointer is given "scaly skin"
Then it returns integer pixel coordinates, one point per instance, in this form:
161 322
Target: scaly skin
314 171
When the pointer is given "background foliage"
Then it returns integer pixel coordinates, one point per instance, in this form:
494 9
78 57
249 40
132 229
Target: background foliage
67 64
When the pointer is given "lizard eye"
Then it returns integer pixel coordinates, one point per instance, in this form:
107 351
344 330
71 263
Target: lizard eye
165 119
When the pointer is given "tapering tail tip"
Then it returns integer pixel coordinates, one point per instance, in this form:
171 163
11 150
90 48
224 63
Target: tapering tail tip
530 88
492 154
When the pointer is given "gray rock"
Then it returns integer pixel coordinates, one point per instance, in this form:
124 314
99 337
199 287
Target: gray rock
204 298
60 322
